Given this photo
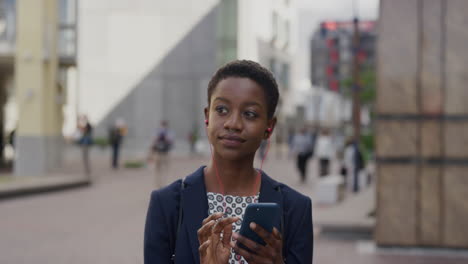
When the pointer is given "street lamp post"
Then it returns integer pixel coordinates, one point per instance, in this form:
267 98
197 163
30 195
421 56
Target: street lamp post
356 86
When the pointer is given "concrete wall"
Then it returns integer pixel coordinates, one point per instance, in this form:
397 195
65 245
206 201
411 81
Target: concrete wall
146 61
152 60
422 128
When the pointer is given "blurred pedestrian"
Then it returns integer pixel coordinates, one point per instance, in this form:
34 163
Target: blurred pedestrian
291 134
85 141
302 148
354 164
116 134
313 138
12 137
262 149
162 144
192 139
348 163
325 152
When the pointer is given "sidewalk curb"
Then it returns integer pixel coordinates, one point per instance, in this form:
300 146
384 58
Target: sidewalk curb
326 227
14 190
345 231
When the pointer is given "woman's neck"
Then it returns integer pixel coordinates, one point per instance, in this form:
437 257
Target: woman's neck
237 177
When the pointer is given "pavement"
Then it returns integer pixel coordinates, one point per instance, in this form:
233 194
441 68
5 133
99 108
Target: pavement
351 213
13 186
103 222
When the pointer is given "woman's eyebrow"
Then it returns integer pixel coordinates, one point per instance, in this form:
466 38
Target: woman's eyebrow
252 103
249 103
221 99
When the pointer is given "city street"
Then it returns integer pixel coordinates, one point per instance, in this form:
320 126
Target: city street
103 223
363 102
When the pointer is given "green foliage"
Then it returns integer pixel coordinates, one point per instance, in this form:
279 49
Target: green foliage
5 179
134 164
368 83
368 86
368 141
101 142
367 145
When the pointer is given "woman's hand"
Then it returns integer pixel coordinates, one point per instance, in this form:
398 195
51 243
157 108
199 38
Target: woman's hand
207 225
270 253
213 248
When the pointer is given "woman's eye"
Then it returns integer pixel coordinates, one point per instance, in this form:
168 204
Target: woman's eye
221 109
250 114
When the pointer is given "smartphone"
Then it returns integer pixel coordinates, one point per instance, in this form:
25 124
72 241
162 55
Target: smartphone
267 215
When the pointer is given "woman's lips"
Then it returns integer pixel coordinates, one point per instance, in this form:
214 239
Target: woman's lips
232 141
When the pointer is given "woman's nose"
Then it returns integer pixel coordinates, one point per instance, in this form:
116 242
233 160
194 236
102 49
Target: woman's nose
234 122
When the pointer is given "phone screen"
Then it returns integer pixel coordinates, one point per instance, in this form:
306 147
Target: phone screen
264 214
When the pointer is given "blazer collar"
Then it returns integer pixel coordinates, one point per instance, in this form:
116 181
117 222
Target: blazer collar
195 207
195 202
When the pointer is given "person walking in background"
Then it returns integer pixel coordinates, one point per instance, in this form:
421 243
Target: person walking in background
192 139
116 135
12 137
262 149
86 140
302 148
348 163
325 152
291 134
160 148
313 138
354 163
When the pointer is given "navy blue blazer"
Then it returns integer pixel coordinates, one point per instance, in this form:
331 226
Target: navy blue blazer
163 210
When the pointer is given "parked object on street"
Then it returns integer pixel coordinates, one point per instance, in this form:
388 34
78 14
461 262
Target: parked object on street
330 189
325 152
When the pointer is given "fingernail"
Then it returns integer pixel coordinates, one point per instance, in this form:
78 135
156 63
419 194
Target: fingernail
253 225
235 235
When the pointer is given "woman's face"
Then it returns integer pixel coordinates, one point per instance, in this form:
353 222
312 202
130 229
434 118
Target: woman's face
237 117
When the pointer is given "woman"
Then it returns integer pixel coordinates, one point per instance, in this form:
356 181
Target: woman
185 220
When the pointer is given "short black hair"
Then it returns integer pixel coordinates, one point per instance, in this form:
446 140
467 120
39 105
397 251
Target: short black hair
253 71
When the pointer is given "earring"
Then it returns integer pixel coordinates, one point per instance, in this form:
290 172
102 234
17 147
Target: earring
269 130
206 121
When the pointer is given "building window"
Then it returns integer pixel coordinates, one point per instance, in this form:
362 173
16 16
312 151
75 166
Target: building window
67 28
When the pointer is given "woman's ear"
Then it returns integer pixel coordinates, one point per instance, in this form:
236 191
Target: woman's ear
270 127
207 116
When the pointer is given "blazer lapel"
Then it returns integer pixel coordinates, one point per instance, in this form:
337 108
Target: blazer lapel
195 208
195 204
269 193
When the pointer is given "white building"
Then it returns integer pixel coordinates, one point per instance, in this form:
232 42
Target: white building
149 60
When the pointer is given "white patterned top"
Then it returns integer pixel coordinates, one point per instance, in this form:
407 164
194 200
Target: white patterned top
235 207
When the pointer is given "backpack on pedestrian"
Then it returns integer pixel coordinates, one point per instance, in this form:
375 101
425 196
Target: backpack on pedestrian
162 143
